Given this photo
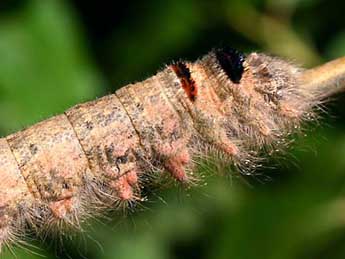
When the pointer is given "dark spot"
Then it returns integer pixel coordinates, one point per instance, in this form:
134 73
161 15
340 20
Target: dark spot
122 159
33 149
139 107
109 118
89 125
231 62
159 129
65 185
109 154
175 134
188 84
153 98
131 158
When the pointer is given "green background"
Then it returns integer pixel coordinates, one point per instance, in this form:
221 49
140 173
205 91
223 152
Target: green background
54 54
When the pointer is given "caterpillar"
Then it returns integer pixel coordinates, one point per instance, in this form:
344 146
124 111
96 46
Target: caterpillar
100 154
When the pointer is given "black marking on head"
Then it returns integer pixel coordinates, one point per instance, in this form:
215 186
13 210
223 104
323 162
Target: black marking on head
231 62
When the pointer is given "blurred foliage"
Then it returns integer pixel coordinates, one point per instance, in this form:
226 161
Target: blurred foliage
54 54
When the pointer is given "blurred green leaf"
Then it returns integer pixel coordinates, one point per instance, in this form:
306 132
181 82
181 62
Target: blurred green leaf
44 67
336 48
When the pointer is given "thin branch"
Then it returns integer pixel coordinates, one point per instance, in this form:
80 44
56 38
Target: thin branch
327 79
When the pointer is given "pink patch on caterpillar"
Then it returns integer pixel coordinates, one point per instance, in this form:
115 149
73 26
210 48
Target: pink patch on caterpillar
61 209
123 188
176 165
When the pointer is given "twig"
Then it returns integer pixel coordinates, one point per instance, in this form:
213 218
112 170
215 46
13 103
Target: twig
327 79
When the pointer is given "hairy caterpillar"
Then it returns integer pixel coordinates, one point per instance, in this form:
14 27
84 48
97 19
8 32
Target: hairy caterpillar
100 154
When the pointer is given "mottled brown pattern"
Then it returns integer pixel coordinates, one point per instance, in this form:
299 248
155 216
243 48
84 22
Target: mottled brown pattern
13 192
52 163
100 154
109 142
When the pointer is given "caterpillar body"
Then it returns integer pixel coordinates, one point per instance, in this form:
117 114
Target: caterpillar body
100 154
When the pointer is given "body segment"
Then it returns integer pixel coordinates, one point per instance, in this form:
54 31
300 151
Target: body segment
14 192
110 143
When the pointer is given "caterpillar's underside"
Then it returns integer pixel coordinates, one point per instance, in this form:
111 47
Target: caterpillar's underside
100 154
